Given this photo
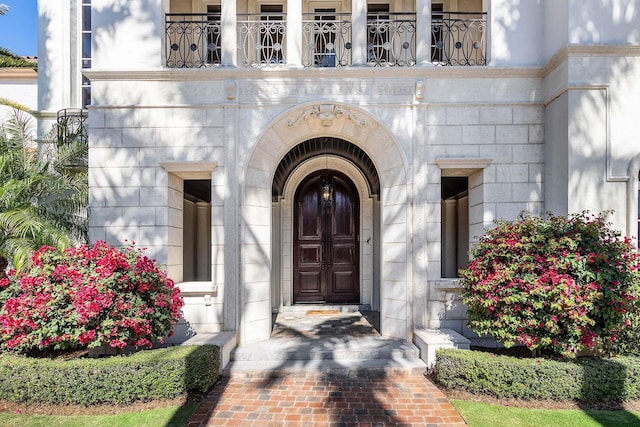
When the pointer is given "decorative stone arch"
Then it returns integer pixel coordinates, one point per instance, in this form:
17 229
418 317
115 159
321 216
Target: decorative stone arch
285 132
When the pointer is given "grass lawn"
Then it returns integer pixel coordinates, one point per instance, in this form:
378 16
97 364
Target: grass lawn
173 416
486 415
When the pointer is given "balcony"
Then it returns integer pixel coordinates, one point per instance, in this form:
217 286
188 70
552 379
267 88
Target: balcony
194 40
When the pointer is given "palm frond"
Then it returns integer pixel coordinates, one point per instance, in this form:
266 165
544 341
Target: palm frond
29 222
15 133
18 251
13 104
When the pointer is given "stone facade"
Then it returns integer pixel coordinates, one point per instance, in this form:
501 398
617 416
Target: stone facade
552 131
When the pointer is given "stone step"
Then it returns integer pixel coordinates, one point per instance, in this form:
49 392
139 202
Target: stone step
343 348
344 367
343 308
325 339
361 349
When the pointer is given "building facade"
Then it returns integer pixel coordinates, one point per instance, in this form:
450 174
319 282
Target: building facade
277 153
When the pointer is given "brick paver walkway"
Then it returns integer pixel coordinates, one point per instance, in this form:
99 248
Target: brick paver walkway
327 400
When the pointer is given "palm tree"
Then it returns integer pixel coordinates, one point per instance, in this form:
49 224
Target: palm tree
9 59
42 199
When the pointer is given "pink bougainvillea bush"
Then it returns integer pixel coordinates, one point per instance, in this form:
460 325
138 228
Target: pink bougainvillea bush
557 283
86 297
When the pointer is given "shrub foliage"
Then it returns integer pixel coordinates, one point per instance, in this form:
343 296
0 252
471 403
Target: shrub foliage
163 373
557 283
85 297
586 379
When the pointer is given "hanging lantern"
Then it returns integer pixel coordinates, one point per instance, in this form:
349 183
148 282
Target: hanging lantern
326 191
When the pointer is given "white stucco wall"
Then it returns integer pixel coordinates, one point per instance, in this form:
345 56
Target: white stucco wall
21 90
556 156
591 99
54 55
21 86
556 26
128 34
604 21
516 31
590 22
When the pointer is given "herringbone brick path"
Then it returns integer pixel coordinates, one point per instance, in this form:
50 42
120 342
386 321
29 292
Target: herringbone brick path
327 400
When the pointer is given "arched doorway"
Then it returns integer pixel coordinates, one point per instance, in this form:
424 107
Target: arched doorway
326 235
266 241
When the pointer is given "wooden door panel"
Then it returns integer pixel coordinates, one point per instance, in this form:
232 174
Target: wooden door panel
310 255
309 277
310 282
343 213
343 254
342 282
309 218
326 258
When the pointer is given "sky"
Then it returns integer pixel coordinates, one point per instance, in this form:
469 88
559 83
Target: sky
19 27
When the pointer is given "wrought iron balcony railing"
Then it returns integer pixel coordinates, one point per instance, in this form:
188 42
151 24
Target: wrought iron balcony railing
326 39
458 38
261 40
193 39
391 39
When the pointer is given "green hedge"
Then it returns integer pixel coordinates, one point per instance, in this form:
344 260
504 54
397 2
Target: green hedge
146 375
583 379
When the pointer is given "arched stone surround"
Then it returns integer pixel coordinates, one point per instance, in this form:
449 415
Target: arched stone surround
286 225
289 129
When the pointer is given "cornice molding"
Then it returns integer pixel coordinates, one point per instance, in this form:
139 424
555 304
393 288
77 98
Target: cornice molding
574 50
44 115
220 74
18 74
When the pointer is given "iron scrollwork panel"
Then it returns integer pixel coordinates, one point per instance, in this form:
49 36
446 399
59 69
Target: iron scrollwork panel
261 41
459 39
193 40
391 40
326 42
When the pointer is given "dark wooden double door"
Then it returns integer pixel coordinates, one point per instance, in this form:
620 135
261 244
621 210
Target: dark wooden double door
326 255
